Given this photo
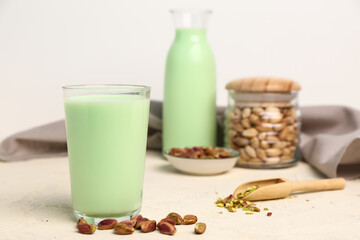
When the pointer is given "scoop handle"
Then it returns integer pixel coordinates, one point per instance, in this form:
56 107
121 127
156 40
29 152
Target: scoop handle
319 185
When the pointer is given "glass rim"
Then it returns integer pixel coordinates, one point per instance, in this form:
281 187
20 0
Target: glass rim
99 87
190 10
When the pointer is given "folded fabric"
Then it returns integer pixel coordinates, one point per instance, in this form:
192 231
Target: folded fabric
329 140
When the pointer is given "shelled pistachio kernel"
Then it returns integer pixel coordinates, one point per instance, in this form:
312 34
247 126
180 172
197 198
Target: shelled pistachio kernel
124 228
84 227
219 200
166 228
231 209
176 217
255 209
190 219
227 205
107 224
200 152
232 204
200 228
247 191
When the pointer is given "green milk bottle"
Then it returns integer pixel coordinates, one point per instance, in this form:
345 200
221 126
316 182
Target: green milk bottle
189 109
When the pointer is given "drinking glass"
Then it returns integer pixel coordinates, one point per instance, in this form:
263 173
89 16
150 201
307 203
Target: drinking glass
106 127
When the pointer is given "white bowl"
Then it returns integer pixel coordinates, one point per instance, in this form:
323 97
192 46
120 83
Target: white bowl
203 166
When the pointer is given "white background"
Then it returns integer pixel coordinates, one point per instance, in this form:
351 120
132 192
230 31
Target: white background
45 44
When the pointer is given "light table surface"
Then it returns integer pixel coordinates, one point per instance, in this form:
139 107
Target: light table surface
35 203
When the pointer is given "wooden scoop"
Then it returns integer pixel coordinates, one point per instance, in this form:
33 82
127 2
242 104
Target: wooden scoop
281 188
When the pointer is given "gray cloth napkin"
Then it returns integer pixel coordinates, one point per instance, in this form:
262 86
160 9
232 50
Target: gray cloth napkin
330 139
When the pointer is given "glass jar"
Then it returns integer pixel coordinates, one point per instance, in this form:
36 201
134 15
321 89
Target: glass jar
264 126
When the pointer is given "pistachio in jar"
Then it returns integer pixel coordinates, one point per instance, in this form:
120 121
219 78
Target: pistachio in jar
262 121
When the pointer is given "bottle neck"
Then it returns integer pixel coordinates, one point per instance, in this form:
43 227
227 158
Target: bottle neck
190 18
191 34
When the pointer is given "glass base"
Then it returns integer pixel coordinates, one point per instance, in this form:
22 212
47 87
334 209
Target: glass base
290 163
96 220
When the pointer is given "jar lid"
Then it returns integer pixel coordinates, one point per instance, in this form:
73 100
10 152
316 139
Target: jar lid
263 84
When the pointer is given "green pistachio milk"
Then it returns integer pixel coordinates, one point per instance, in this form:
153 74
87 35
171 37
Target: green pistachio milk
106 137
189 110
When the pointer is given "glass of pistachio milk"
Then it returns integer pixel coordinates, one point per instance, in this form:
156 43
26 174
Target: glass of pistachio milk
106 127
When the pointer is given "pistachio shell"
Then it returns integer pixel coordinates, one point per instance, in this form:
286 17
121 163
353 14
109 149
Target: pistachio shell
250 151
287 151
237 111
254 118
272 160
272 139
255 142
241 141
264 144
238 127
284 134
262 136
280 144
241 160
246 112
273 152
255 160
285 158
288 120
261 153
257 110
243 154
245 123
264 127
276 118
278 126
249 133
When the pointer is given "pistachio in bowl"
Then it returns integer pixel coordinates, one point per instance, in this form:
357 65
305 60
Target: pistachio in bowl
202 160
